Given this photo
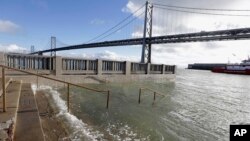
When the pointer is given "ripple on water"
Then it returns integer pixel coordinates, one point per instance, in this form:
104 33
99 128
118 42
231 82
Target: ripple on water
200 105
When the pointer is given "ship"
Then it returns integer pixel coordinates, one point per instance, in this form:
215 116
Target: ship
242 68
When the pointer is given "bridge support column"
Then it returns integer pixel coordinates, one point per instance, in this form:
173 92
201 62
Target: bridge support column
127 68
148 68
163 69
32 49
99 67
53 45
113 65
64 64
87 65
148 23
58 65
174 69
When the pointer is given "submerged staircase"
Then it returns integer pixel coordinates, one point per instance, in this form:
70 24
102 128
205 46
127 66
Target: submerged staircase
28 126
21 120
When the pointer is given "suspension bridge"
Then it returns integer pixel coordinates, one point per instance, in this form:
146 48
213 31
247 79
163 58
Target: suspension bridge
148 26
147 31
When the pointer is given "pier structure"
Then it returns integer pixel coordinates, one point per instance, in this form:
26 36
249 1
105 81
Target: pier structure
19 71
205 66
81 70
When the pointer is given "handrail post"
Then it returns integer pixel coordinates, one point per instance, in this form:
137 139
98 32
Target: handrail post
64 85
39 75
37 79
154 95
108 99
139 100
68 96
3 89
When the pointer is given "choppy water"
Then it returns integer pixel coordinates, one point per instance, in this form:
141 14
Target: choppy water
199 105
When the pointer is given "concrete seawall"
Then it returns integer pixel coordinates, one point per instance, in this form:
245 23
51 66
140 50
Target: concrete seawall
79 70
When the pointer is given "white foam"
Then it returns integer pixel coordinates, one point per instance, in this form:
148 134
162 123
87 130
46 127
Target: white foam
121 132
34 88
79 130
82 131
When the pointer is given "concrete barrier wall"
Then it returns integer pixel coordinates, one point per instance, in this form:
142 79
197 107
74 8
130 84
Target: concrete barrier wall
77 66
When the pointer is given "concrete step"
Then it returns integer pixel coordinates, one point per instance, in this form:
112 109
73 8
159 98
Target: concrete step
8 119
28 126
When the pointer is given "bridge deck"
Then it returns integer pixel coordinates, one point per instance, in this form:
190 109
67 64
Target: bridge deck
220 35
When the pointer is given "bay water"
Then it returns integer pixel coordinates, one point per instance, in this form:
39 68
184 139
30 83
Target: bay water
198 105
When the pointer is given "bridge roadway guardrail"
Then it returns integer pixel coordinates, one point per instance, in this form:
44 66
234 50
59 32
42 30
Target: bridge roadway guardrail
58 65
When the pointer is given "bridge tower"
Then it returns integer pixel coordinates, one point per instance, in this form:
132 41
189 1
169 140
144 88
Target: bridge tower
146 46
32 48
53 45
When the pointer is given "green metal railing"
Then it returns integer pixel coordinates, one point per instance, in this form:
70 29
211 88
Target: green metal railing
154 93
23 67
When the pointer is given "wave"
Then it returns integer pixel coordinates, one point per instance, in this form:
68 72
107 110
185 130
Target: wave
77 128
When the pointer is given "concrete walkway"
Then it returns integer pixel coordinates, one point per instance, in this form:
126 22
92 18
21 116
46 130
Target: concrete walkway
7 119
28 126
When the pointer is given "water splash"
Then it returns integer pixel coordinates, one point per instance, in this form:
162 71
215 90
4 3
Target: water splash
78 129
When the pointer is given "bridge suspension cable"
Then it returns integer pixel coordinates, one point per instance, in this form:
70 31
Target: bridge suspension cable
172 27
110 30
206 13
194 8
181 20
121 27
60 43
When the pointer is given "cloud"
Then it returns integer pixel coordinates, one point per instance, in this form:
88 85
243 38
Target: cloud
170 48
8 26
14 48
97 22
173 22
166 22
106 55
130 7
133 6
109 55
